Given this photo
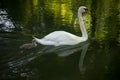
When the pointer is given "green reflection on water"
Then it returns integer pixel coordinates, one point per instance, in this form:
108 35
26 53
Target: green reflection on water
106 20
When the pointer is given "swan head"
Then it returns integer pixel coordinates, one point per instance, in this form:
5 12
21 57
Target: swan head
82 9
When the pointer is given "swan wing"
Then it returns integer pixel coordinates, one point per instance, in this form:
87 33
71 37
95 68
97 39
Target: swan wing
62 37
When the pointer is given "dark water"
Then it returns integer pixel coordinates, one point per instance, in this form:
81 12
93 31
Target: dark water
96 59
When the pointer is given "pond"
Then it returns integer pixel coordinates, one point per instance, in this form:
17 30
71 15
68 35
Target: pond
98 58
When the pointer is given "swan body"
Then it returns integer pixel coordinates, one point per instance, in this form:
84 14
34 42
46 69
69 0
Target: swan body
58 38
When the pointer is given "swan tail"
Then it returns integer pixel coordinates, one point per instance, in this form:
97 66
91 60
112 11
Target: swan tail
33 37
40 41
36 39
44 41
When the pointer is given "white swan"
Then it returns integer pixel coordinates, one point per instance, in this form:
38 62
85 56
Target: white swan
58 38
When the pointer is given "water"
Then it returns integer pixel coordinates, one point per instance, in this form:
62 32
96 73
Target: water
96 59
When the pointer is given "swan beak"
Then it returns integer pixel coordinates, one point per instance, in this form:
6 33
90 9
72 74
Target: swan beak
87 11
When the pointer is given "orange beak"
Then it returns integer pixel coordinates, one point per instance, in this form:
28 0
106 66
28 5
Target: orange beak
87 11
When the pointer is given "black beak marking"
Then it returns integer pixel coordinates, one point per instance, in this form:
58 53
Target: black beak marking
86 9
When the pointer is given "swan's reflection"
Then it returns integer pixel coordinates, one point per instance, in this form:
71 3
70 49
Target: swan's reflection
83 53
61 51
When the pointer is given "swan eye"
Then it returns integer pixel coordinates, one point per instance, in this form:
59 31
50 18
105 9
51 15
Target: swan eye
85 9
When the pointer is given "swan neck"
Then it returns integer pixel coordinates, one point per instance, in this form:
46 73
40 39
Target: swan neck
82 26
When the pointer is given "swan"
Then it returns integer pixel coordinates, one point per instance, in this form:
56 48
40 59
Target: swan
58 38
29 45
